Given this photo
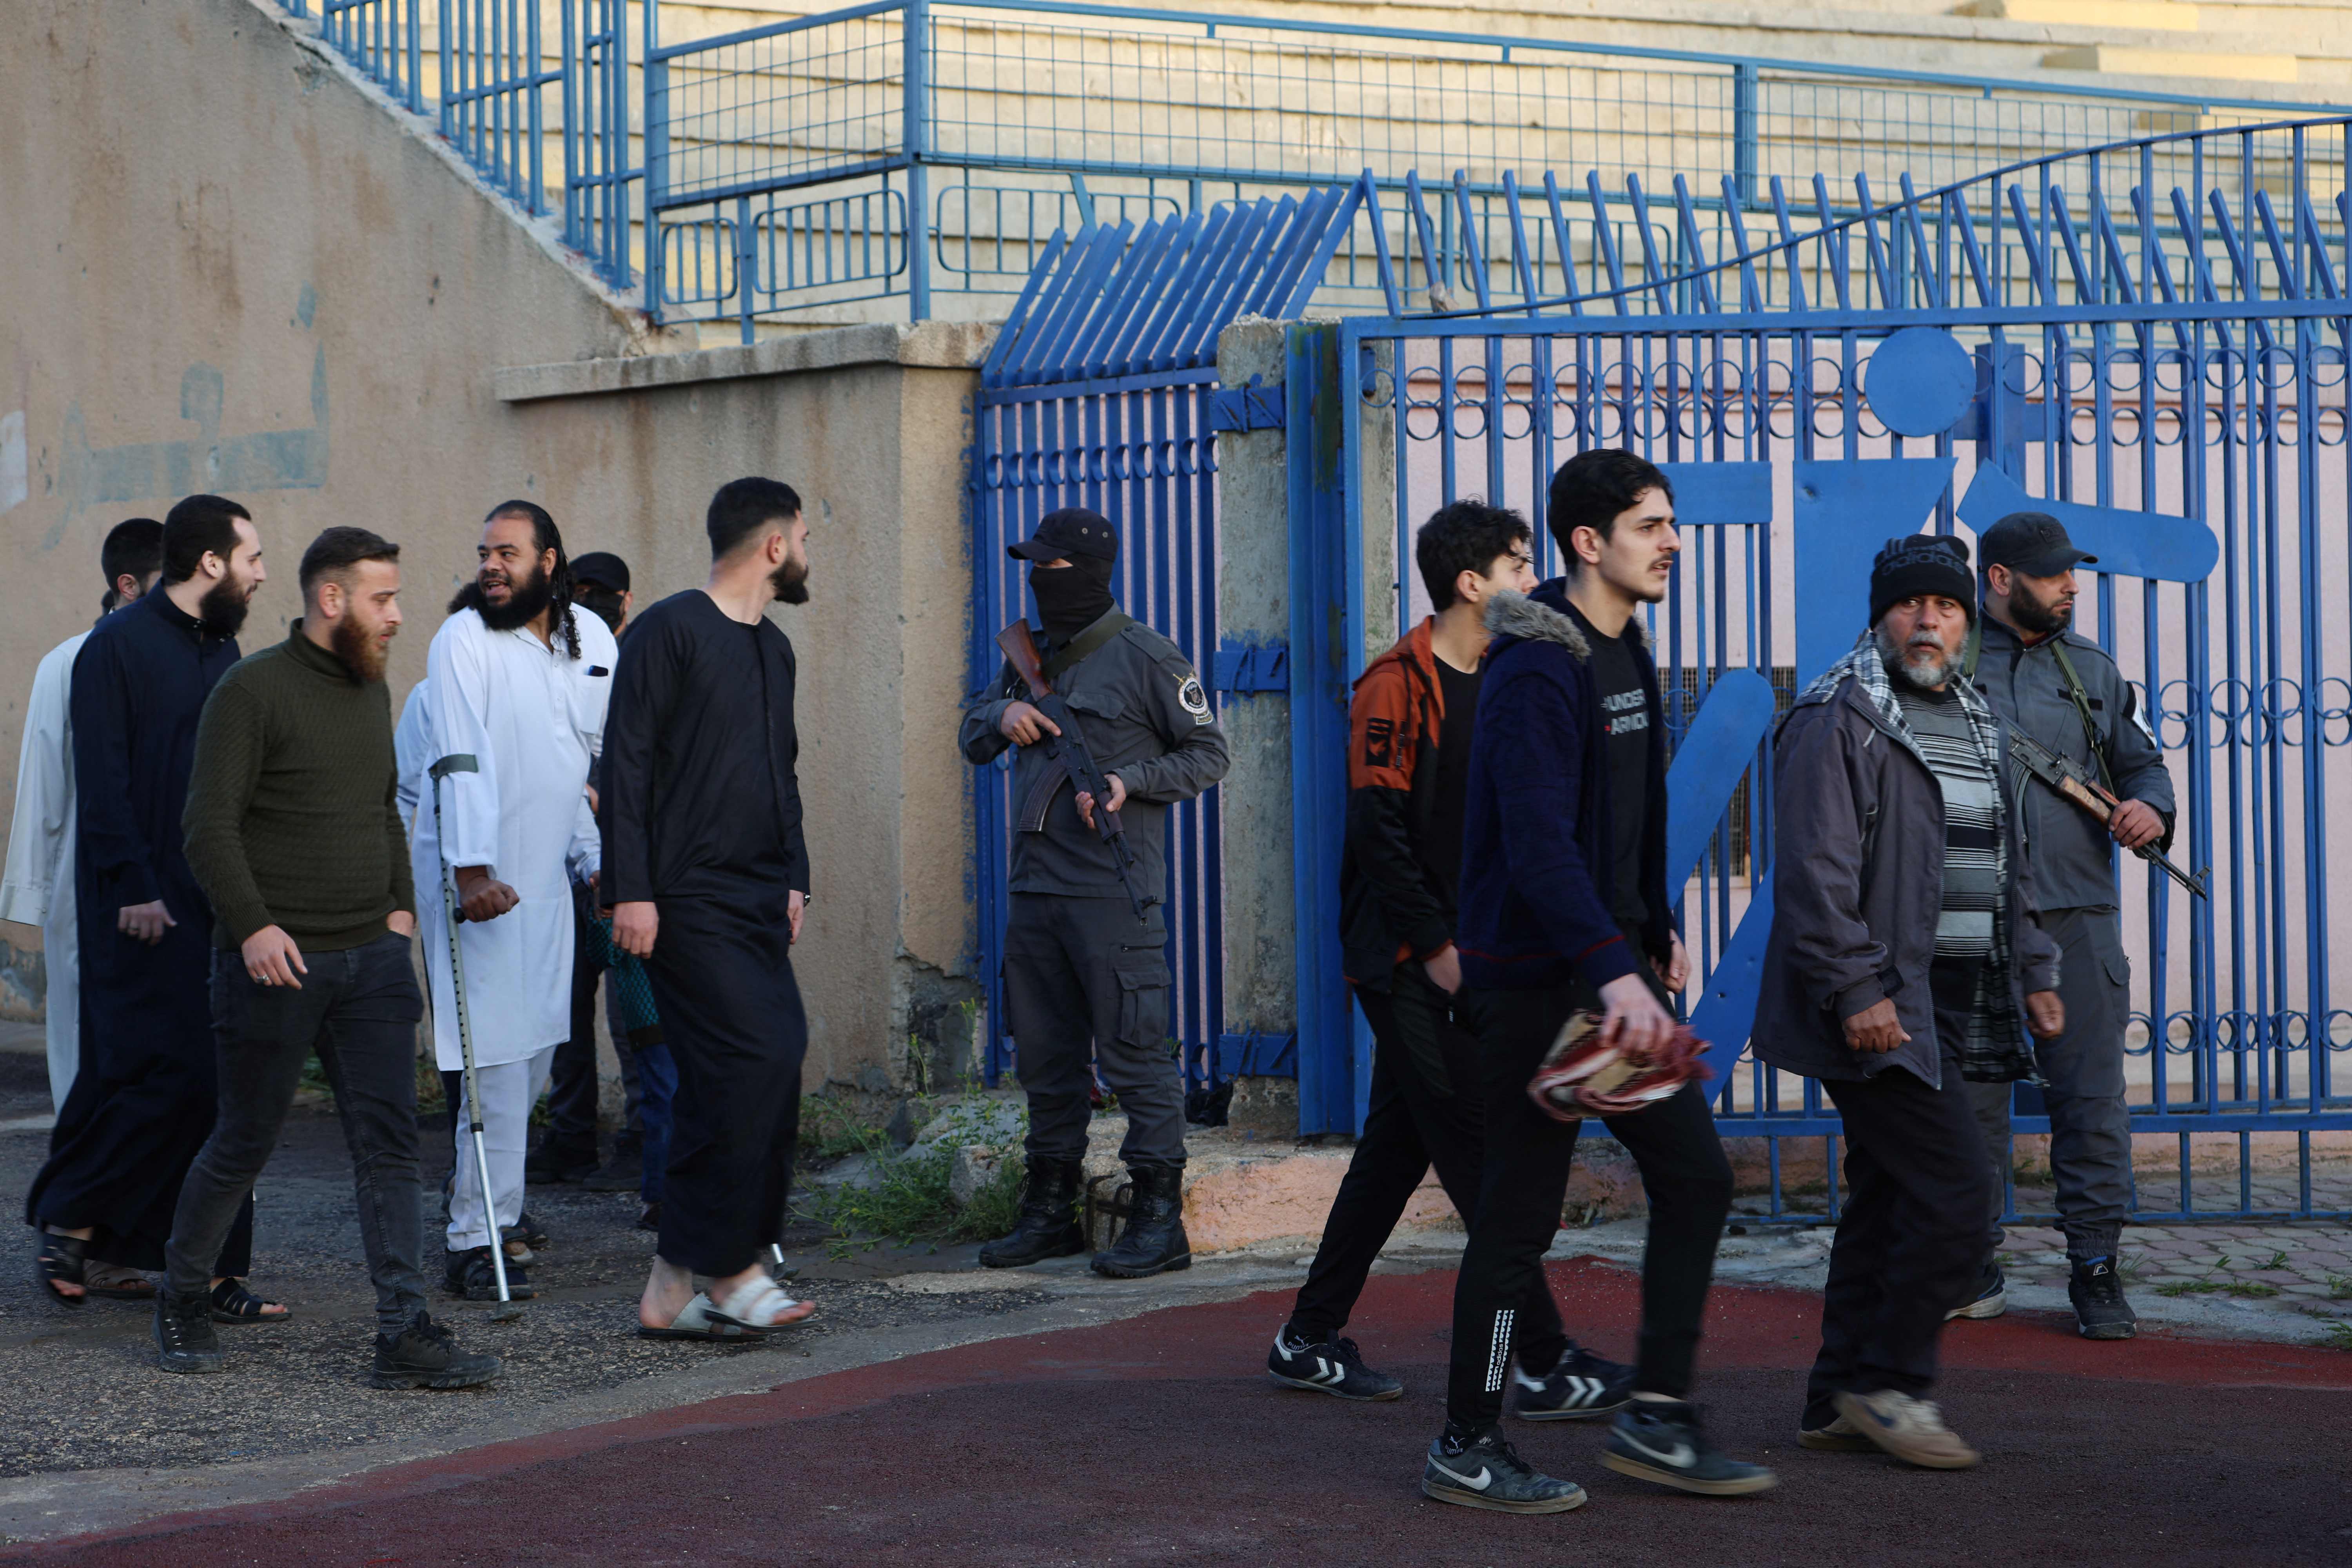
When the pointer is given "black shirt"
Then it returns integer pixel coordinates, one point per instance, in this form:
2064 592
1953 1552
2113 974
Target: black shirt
1459 690
1624 717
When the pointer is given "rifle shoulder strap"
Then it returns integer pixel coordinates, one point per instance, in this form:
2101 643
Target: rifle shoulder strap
2082 706
1086 642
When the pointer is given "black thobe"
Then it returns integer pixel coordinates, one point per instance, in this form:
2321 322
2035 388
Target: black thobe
702 818
142 1101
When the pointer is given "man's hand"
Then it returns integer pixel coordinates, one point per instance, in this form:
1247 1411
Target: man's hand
401 922
796 905
1117 799
634 925
1025 726
2135 823
1444 968
272 959
1875 1028
1675 969
2045 1015
147 921
1632 1020
481 895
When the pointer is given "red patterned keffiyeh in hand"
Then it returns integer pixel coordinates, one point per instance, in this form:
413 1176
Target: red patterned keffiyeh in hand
1581 1077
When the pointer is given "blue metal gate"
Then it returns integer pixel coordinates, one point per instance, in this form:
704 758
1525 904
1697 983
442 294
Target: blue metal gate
2148 338
1101 392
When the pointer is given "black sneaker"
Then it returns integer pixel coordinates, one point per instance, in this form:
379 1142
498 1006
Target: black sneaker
470 1276
549 1165
1331 1367
1992 1298
1581 1388
1654 1441
651 1218
1486 1472
184 1340
623 1173
2100 1310
426 1355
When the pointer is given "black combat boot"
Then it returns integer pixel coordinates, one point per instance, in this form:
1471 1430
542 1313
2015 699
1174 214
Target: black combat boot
1048 1225
1153 1241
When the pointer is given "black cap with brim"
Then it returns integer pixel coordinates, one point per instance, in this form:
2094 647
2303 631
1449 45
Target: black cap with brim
2034 542
603 568
1072 531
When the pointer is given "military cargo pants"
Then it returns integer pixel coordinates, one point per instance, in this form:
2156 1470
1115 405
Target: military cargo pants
2083 1082
1086 983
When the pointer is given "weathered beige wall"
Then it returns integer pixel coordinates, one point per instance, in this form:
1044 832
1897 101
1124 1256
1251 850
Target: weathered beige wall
229 268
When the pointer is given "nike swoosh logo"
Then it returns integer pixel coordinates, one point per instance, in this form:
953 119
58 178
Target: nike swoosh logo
1485 1477
1679 1456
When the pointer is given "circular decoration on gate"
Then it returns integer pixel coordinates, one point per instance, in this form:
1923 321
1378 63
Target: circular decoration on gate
1920 381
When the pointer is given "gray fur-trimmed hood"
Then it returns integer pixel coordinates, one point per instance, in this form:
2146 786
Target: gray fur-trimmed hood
1510 614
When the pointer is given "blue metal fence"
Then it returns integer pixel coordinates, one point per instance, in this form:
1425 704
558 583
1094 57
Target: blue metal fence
1100 392
921 152
2148 338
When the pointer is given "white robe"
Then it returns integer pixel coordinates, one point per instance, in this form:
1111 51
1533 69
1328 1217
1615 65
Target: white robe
533 718
38 888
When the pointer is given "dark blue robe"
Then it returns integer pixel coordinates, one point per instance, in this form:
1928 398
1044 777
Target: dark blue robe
144 1099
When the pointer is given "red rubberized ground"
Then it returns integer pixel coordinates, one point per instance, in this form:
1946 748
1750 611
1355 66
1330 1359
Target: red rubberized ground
1158 1441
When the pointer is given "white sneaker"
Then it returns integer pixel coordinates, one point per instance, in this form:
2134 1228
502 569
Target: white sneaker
1913 1430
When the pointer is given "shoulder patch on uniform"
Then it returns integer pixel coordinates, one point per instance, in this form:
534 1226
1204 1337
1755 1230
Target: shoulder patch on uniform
1191 698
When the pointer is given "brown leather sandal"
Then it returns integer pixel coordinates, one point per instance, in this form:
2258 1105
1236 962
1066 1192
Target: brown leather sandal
60 1263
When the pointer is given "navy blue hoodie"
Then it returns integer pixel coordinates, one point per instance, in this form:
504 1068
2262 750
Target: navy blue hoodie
1537 886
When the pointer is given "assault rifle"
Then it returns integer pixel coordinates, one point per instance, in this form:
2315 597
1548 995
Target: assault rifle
1070 755
2073 782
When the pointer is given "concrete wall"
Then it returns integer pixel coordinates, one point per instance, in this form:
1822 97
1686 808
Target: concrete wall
229 268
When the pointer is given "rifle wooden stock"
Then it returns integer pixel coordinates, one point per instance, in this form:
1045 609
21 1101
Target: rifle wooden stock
1021 649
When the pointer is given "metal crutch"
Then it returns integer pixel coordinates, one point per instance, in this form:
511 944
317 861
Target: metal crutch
464 762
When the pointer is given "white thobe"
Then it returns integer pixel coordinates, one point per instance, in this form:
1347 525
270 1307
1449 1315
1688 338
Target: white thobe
38 888
533 719
413 751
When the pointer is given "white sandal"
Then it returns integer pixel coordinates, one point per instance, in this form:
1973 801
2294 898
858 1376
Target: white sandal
758 1306
696 1323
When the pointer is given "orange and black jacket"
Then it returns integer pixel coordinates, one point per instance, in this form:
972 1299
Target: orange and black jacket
1391 905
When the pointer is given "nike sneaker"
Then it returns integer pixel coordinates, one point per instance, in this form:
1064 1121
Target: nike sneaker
1911 1429
1582 1387
1656 1441
2100 1310
1331 1367
1486 1472
1992 1298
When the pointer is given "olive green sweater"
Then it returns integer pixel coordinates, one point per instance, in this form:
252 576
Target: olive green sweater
291 819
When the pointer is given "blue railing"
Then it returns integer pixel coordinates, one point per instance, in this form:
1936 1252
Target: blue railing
795 168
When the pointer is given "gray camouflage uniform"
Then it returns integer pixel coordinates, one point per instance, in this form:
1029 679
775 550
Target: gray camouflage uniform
2074 862
1080 970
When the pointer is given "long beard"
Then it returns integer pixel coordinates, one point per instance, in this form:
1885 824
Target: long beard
223 608
790 582
527 596
1925 678
2034 617
357 647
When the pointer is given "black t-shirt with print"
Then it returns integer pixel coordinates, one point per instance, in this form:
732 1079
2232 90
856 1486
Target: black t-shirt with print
1443 850
1624 716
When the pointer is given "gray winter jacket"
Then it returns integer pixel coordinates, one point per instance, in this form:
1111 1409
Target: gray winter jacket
1858 880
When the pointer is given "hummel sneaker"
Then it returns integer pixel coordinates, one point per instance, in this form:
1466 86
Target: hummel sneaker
1581 1387
1329 1367
1656 1441
1487 1472
2097 1292
1911 1429
1839 1436
1991 1299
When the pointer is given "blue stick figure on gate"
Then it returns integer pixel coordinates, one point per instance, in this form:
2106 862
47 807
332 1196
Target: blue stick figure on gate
1920 383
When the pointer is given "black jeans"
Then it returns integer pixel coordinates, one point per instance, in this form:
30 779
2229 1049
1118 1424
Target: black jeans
1426 1110
1910 1240
572 1082
1684 1174
358 1009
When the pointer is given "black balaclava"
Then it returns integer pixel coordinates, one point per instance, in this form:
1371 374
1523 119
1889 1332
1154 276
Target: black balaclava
1072 598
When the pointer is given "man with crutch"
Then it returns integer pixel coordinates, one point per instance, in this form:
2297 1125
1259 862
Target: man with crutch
294 832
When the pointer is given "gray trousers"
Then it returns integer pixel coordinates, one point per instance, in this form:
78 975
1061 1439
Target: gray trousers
2083 1083
1084 984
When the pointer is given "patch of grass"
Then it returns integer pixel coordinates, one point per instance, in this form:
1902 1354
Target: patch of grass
909 1199
2339 1336
2239 1288
2275 1260
2339 1287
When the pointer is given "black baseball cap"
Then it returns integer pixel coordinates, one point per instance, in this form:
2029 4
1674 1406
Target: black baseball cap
603 568
2033 543
1072 531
